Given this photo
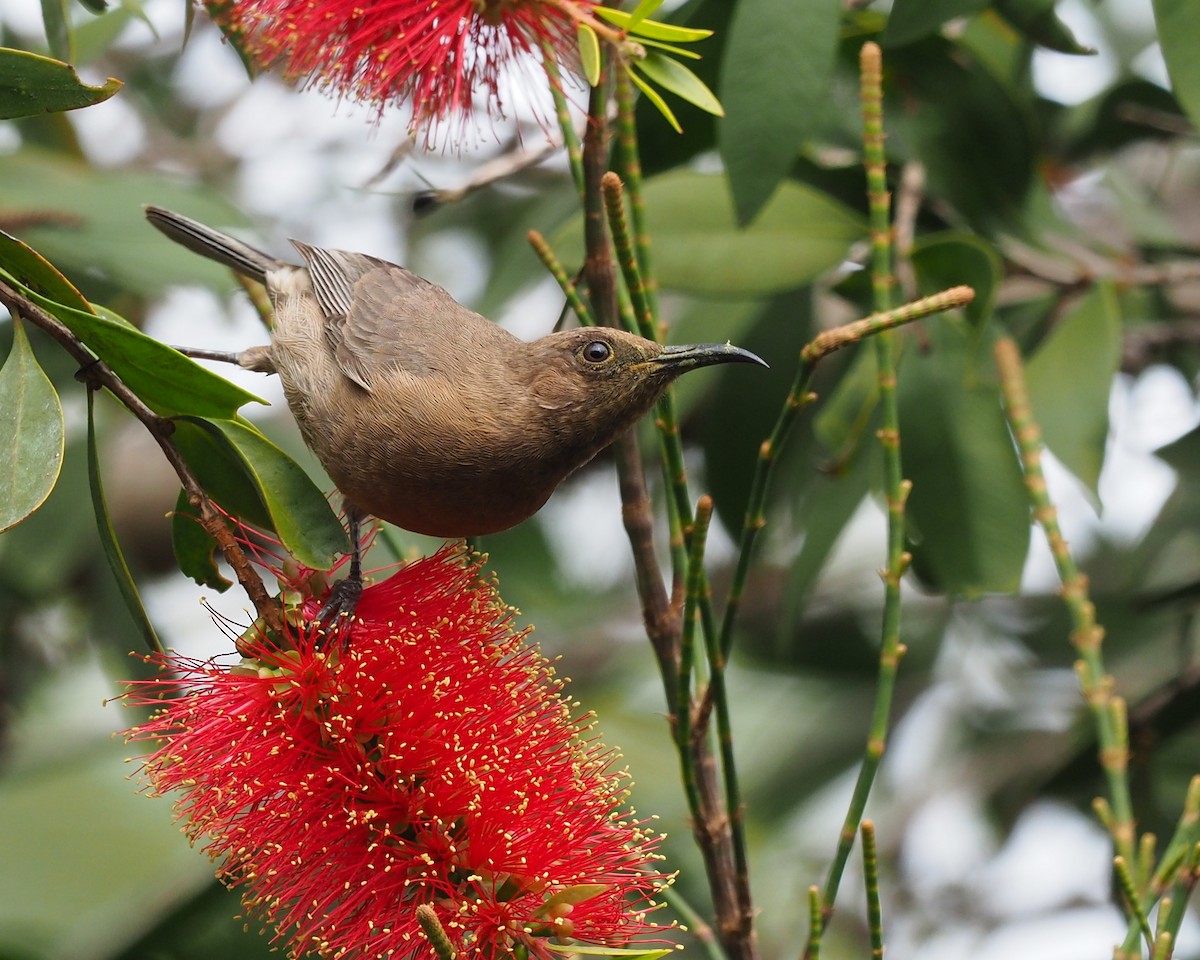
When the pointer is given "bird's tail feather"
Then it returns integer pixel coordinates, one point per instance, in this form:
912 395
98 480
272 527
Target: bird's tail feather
213 244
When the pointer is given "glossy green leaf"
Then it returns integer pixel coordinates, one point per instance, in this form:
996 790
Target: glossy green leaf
36 273
108 540
698 245
968 513
164 379
911 20
1179 37
30 85
655 98
300 514
775 74
653 29
674 76
1037 20
194 549
589 53
1070 378
31 433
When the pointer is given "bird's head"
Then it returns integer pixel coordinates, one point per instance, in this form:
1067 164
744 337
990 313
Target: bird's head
609 378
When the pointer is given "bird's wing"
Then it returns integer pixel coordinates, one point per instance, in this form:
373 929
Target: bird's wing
381 317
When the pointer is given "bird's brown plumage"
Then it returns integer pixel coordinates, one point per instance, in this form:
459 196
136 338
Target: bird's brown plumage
424 413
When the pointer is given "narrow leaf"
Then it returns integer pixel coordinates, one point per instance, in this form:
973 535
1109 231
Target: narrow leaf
95 6
775 78
31 433
671 48
655 98
300 514
58 30
674 76
642 11
1070 378
589 53
108 539
1179 37
30 85
652 29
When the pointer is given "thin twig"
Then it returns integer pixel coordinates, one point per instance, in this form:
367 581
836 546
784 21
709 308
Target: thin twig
160 429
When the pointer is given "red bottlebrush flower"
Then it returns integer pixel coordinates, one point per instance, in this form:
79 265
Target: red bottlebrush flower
438 55
424 754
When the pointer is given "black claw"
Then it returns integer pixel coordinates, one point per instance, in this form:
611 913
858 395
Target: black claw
343 598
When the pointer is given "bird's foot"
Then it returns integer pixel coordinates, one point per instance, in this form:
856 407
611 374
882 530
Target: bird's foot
342 601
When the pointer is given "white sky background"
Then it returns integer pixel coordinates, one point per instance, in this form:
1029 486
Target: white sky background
1038 894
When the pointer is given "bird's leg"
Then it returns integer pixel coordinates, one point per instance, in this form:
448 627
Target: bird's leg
344 596
255 358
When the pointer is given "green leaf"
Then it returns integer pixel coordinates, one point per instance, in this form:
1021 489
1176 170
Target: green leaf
913 19
589 53
30 85
656 98
1070 379
58 30
34 272
300 514
947 259
595 950
674 76
89 222
1037 20
1179 37
95 6
194 548
672 49
968 515
108 540
31 433
652 29
641 12
975 133
775 75
699 247
164 379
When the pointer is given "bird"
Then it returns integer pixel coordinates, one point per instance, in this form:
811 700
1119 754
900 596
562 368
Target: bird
424 413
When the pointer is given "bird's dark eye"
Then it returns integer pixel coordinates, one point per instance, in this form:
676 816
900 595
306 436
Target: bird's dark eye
596 352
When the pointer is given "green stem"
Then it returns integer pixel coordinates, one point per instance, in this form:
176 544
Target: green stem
871 879
542 248
797 399
631 168
1108 709
896 488
562 111
697 587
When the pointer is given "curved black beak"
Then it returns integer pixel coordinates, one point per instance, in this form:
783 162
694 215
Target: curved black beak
691 356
